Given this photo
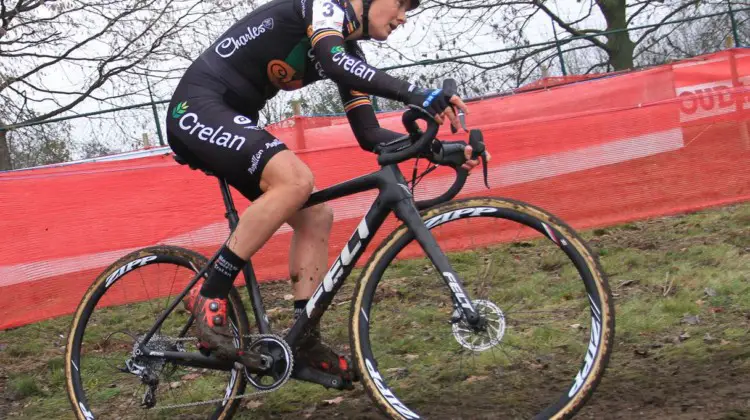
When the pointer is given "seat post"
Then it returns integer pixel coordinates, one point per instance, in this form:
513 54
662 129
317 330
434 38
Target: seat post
231 213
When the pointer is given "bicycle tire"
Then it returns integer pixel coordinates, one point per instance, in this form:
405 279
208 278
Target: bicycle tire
591 369
146 256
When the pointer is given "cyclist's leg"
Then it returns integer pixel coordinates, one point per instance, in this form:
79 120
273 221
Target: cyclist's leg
277 182
308 253
286 183
221 140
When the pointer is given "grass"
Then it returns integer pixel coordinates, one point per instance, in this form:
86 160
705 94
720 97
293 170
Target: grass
24 386
682 295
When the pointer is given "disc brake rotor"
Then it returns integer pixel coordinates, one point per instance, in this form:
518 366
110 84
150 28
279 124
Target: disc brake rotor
486 338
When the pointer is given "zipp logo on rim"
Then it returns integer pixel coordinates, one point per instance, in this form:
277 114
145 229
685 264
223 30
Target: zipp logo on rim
388 394
128 268
458 214
588 363
230 387
86 413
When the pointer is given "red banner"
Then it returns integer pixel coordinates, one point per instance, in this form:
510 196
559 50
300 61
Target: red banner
598 152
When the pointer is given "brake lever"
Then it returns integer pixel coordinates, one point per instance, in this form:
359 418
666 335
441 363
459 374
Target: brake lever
461 119
484 169
479 150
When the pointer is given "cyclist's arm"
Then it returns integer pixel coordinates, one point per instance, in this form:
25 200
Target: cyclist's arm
327 20
362 119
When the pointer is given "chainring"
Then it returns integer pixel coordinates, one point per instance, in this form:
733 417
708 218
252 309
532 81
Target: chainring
281 368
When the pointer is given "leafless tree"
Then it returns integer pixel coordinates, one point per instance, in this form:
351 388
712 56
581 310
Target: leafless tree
595 35
57 55
701 36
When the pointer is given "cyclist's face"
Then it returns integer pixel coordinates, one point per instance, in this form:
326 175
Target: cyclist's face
386 16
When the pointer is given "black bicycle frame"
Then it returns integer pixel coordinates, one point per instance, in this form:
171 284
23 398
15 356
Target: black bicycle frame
394 195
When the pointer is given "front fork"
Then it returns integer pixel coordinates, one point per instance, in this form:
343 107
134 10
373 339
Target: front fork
407 212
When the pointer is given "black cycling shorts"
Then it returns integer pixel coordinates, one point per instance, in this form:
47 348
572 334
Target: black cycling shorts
205 130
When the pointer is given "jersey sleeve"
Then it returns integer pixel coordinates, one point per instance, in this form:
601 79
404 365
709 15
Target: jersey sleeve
363 121
327 20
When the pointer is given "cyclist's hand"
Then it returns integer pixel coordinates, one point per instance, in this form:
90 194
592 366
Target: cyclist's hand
438 104
450 112
471 164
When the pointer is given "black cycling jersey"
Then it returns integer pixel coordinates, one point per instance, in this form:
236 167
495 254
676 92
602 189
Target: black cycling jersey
288 44
284 44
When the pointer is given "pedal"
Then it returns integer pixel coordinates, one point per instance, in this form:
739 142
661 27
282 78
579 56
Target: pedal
319 377
349 368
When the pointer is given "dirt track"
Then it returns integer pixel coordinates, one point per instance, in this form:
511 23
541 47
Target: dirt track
634 387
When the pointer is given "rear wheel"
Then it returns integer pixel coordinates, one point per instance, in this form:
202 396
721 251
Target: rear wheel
547 309
104 376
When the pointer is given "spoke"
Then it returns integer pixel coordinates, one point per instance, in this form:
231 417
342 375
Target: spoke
511 359
166 301
483 283
148 297
168 379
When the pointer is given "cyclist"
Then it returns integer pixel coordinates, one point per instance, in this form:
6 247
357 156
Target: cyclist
284 44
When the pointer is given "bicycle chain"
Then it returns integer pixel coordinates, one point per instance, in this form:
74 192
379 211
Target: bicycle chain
254 338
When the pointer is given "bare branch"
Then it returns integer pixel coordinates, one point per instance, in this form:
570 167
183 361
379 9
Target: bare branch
666 18
643 5
573 31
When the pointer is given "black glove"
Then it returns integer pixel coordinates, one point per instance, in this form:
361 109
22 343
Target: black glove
434 101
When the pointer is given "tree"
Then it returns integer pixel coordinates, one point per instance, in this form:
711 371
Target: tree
618 43
595 34
94 149
57 55
37 145
701 36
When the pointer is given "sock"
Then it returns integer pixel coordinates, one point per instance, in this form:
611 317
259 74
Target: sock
222 273
299 307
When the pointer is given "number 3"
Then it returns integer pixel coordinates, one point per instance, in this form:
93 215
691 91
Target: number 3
329 9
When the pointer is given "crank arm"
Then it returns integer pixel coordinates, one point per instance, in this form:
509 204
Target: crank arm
315 376
193 360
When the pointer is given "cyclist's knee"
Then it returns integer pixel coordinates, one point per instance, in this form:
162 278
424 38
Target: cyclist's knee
317 219
300 186
287 172
324 216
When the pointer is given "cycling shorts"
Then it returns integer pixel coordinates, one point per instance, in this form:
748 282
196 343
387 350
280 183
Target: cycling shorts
209 132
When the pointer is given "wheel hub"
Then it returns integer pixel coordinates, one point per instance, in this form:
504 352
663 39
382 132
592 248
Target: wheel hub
487 334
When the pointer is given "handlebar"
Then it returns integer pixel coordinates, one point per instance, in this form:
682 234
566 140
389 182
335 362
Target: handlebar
400 151
458 185
409 119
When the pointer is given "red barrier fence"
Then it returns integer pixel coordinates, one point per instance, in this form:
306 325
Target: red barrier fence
659 141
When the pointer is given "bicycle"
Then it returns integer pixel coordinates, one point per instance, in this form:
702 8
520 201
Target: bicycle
474 326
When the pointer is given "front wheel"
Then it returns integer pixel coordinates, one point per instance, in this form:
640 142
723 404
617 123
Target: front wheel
548 317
